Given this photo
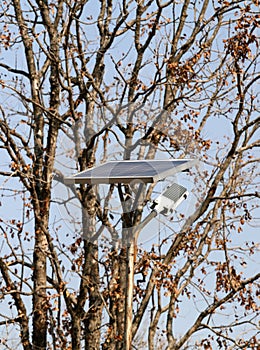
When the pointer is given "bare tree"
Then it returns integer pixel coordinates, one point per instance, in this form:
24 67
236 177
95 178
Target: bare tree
85 82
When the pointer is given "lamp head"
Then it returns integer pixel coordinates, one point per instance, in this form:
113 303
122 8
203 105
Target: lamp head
169 199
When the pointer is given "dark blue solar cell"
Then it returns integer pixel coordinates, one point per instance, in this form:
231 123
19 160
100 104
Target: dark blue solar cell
132 170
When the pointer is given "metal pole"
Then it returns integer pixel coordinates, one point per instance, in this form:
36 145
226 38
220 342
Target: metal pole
129 295
130 254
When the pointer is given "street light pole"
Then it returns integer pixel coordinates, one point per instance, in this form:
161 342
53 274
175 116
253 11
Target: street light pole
142 172
164 204
132 234
129 295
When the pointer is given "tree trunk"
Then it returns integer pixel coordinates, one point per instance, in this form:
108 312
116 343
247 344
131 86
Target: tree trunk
94 314
40 303
42 197
76 331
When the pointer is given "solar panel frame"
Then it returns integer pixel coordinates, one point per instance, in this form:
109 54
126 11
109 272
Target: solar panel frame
105 173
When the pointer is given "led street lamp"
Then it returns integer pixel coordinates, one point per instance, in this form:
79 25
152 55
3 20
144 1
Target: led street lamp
169 199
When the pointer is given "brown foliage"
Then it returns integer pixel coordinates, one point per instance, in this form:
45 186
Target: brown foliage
84 82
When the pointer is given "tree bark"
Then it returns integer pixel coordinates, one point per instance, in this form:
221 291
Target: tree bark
40 303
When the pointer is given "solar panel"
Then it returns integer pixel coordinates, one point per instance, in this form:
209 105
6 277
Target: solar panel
126 171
